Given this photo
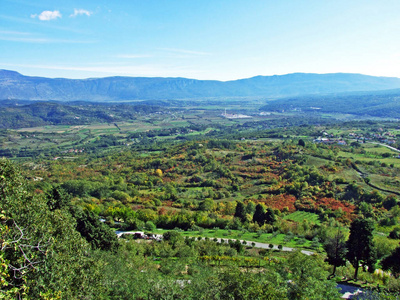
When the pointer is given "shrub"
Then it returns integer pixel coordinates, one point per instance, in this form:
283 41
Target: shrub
395 233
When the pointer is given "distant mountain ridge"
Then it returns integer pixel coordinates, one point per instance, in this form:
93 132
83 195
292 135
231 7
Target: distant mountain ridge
384 104
14 85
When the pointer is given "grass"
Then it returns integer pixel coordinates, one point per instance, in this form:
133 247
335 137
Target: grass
300 216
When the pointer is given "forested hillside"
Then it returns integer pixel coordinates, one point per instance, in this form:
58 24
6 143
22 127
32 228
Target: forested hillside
52 113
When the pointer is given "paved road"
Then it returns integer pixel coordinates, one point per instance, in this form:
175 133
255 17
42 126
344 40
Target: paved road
266 246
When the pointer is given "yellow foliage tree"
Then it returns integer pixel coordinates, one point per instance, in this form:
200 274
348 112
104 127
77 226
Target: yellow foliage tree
159 172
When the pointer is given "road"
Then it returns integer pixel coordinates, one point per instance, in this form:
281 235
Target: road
257 245
266 246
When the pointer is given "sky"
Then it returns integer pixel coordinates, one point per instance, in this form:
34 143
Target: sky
200 39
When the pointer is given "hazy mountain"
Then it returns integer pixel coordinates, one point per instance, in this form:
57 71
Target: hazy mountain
16 86
373 103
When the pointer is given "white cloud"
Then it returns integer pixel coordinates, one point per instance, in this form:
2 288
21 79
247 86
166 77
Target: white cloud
78 12
47 15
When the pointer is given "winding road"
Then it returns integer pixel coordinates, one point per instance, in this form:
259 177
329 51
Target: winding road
266 246
384 145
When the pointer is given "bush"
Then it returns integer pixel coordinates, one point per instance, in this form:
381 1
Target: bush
395 233
149 226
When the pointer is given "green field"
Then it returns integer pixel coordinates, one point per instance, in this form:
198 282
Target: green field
301 216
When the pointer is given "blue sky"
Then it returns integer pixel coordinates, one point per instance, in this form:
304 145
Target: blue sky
202 39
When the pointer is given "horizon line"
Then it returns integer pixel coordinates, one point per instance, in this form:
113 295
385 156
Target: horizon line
181 77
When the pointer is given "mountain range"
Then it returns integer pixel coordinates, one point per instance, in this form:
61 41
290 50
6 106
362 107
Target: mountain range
14 85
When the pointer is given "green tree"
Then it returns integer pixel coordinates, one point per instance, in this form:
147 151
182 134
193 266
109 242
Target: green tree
250 208
149 225
390 202
207 205
41 250
259 214
121 196
173 237
308 279
392 262
270 216
395 233
98 234
360 245
240 211
57 198
336 250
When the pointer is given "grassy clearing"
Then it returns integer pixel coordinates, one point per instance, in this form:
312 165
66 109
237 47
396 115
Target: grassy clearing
300 216
369 156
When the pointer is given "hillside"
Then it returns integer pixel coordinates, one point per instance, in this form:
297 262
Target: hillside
53 113
14 85
377 104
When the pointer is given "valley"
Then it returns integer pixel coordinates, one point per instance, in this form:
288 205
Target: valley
230 185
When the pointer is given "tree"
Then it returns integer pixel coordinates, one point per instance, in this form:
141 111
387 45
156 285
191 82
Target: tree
360 245
240 211
270 216
57 198
392 262
259 214
307 279
336 250
390 202
149 226
173 237
159 172
98 234
238 246
207 205
121 196
301 143
41 252
395 233
250 208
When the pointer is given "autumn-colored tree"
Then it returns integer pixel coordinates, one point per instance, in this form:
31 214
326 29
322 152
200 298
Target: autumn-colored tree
159 172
